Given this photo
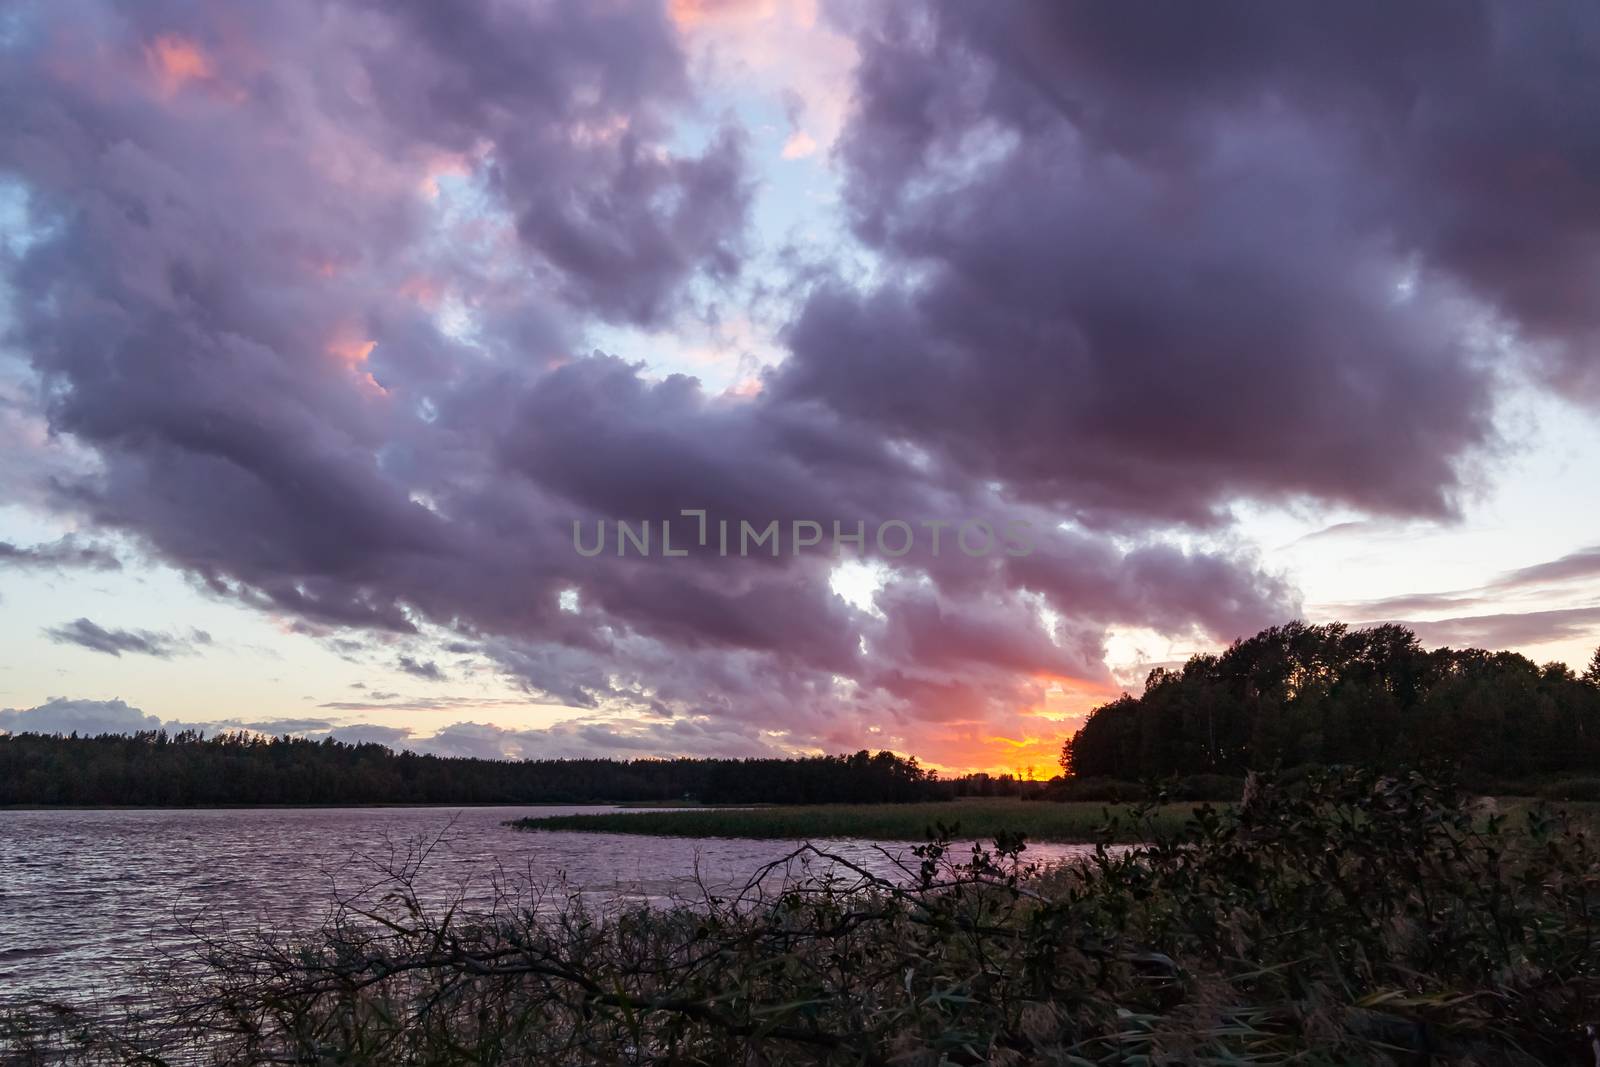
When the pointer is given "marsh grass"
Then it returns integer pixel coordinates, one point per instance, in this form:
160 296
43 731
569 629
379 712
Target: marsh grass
983 819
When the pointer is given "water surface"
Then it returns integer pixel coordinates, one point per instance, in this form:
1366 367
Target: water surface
88 897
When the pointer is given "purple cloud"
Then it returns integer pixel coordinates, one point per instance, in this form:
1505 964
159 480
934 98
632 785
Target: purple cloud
114 642
89 718
1503 629
420 668
62 553
314 282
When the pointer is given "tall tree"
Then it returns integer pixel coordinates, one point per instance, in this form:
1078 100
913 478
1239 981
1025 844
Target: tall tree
1299 694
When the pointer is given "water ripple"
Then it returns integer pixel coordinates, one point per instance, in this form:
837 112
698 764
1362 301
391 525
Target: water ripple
87 898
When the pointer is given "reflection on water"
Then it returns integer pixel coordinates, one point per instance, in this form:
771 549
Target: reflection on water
89 897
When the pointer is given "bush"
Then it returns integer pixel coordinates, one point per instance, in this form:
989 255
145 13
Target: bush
1571 789
1208 787
1495 786
1096 790
1116 791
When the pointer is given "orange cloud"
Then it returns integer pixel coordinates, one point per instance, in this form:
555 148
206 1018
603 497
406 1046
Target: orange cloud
323 265
176 61
973 747
422 290
438 164
687 13
744 389
775 47
1011 742
350 352
799 145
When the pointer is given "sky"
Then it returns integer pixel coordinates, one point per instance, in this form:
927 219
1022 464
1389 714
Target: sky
332 331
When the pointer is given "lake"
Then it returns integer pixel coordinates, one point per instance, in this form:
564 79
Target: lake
88 897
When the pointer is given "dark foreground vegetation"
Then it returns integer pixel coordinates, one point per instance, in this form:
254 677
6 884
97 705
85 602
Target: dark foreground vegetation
1297 694
186 769
1353 919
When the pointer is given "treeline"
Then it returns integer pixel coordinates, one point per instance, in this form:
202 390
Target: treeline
863 778
1301 695
186 769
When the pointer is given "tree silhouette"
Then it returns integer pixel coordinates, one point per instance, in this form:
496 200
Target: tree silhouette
167 770
1300 694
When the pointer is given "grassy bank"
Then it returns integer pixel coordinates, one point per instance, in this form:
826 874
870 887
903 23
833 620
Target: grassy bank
983 819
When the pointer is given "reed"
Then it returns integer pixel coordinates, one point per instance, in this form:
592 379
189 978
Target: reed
986 819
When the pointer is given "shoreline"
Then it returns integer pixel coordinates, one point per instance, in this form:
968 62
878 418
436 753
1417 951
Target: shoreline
625 805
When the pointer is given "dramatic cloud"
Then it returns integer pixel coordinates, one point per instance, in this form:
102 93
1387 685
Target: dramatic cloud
1509 628
64 552
1573 567
1410 602
319 286
366 733
420 668
89 718
1151 265
620 740
1574 574
87 634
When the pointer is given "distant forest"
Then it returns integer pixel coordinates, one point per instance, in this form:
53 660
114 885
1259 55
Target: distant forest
187 769
1297 694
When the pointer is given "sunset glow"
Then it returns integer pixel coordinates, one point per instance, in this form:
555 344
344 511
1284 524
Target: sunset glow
325 323
178 61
